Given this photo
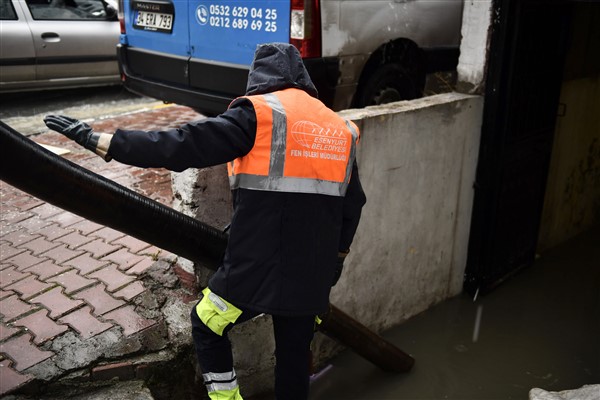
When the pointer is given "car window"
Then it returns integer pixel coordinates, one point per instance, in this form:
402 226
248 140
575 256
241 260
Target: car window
67 9
7 11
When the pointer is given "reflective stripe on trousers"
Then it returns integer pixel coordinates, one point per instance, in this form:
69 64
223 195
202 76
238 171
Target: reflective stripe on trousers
222 385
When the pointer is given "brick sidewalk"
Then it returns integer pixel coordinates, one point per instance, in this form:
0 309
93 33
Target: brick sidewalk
66 281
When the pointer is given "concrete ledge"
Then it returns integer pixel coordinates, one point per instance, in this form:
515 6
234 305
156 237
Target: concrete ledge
439 100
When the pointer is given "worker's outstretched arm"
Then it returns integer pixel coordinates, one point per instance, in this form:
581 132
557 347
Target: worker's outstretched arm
197 144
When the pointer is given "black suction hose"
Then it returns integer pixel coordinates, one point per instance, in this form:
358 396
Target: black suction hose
35 170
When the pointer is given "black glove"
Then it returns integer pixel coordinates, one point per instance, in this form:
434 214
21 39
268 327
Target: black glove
339 266
74 129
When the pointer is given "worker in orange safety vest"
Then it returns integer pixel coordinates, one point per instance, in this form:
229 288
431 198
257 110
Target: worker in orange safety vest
297 202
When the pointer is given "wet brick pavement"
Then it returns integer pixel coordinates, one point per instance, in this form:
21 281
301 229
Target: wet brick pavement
66 280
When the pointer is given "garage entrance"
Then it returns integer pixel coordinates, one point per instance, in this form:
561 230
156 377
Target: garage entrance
531 43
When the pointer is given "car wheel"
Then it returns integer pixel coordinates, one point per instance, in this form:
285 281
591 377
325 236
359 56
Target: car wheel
388 83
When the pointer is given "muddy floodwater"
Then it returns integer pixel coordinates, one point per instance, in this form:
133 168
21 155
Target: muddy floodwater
539 329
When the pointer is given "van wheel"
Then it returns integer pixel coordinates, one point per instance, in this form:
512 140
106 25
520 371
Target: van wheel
388 83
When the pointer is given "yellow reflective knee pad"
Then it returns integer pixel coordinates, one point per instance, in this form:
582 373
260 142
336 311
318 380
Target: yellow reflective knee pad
216 312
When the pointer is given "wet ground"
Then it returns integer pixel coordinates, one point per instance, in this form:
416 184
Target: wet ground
540 329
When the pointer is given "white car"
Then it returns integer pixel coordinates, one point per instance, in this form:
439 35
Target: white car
57 44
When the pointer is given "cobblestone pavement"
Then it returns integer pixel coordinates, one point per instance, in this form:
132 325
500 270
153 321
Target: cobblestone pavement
73 293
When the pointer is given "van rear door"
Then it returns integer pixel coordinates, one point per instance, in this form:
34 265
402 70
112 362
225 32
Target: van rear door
159 26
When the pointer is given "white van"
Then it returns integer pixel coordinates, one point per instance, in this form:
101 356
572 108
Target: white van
358 52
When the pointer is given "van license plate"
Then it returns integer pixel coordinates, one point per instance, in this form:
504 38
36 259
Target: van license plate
152 21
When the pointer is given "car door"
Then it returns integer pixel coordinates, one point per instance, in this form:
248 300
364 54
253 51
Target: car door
17 54
73 38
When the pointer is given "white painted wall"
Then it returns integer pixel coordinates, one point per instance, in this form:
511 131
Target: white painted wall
477 19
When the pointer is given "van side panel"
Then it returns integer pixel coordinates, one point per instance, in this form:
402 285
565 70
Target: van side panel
228 32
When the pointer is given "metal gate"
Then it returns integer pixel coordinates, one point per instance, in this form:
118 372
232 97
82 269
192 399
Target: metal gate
526 60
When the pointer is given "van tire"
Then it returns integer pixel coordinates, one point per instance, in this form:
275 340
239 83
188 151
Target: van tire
388 83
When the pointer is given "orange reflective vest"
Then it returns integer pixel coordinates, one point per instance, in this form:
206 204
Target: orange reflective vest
301 146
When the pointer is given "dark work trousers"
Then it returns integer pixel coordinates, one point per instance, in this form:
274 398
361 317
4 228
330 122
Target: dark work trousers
293 336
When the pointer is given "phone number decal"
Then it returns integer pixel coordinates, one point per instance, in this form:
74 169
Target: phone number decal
237 17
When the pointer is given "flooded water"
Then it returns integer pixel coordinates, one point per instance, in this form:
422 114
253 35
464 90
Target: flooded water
539 329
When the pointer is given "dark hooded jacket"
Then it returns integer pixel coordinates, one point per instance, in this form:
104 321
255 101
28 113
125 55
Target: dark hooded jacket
282 247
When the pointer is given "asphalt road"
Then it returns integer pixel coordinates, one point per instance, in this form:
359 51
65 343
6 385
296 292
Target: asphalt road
25 111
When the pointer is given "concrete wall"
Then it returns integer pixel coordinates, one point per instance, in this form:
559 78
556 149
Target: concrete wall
417 164
203 194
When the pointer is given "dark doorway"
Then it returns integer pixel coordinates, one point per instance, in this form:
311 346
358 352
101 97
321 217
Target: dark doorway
526 58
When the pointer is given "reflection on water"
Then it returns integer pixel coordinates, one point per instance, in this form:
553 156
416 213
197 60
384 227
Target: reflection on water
540 329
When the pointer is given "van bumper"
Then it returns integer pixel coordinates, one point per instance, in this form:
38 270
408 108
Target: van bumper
207 87
166 77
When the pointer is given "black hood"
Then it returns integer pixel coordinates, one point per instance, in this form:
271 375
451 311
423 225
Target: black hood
278 66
